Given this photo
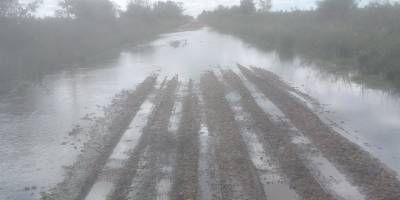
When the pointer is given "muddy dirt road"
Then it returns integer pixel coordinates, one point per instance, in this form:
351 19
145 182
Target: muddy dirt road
236 134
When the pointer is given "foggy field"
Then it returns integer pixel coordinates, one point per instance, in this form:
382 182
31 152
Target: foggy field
361 41
247 100
81 31
258 152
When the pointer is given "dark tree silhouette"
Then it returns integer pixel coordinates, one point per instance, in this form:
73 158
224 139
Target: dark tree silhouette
336 8
81 31
247 6
365 40
89 10
265 5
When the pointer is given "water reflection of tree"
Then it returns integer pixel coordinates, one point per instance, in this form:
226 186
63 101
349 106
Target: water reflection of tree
365 39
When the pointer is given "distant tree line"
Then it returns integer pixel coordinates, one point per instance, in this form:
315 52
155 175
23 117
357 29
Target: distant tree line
364 40
31 47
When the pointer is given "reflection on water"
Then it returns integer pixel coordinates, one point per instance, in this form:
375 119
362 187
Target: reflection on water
35 119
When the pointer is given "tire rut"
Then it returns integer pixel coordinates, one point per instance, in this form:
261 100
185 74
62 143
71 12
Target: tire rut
277 137
377 181
326 173
186 174
105 183
209 179
153 150
239 179
85 171
275 184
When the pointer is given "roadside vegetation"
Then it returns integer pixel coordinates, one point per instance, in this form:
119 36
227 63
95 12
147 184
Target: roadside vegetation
347 37
31 47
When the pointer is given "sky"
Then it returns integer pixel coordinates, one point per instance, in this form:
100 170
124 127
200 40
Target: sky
195 7
192 7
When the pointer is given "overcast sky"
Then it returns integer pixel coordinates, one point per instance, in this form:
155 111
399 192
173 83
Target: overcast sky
192 7
195 7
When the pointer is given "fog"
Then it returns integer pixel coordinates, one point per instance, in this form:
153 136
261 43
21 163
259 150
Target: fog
192 7
195 7
80 31
343 32
199 99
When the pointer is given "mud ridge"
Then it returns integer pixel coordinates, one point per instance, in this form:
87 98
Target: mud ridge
239 179
276 138
376 180
106 133
275 183
185 183
208 175
155 144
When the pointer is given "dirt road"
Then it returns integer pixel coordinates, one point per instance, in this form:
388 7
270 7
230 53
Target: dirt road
239 135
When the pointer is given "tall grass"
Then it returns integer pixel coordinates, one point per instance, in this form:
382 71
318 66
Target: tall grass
31 47
365 40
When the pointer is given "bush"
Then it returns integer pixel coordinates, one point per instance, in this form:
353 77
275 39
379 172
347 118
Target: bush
32 47
363 39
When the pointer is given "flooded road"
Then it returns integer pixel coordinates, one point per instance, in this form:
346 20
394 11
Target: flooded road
43 127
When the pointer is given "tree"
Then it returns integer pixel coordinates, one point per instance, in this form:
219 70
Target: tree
137 9
89 10
265 5
247 6
336 8
8 7
13 8
168 9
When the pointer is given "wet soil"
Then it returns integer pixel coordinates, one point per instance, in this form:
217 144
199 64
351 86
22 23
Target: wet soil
213 139
186 173
106 133
376 180
239 179
276 136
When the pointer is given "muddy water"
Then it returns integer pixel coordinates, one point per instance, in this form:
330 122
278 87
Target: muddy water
275 186
324 171
42 125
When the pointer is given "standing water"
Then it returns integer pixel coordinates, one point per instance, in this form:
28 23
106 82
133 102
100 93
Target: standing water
38 121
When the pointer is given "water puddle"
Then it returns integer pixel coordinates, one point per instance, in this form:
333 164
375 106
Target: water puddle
143 173
177 112
35 119
275 186
302 99
121 152
100 190
165 179
208 169
164 184
322 169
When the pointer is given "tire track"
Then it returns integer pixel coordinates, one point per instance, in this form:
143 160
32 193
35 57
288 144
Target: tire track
208 180
376 180
186 174
277 137
143 173
175 120
115 164
275 184
140 175
107 131
169 166
239 178
324 171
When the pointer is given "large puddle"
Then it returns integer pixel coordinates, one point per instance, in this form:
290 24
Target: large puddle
36 121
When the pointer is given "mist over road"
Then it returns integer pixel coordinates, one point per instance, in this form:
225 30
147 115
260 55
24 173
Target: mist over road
263 142
136 127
